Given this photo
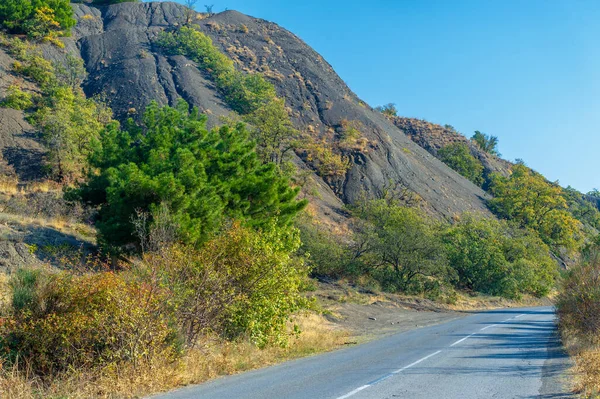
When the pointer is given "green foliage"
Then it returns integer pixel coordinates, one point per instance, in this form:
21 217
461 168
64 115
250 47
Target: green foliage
388 109
37 18
35 67
327 162
487 143
202 176
326 254
243 282
272 131
59 321
582 208
71 73
267 286
458 157
493 258
244 93
17 99
70 124
528 199
67 120
400 245
594 193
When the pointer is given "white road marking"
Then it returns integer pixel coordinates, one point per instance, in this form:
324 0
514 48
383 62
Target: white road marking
462 339
357 390
415 363
485 328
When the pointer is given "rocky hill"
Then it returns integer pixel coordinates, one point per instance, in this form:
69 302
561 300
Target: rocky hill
432 137
123 65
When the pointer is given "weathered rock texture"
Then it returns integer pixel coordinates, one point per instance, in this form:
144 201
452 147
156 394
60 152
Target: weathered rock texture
116 43
432 137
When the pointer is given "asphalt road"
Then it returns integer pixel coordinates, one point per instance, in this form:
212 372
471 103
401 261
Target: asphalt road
509 353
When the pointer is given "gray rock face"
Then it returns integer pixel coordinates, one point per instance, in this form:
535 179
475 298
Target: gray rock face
123 65
21 154
432 137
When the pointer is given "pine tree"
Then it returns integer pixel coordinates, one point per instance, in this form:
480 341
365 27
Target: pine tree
203 176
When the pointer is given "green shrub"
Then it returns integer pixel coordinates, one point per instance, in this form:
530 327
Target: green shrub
528 199
35 67
458 157
400 245
202 176
241 283
60 322
37 18
70 124
388 109
17 99
273 131
493 258
487 143
243 93
326 254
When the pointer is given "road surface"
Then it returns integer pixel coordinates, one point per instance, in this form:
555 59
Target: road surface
509 353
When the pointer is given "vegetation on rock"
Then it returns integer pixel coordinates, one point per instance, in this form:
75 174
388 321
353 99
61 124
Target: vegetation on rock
39 19
486 142
244 93
458 157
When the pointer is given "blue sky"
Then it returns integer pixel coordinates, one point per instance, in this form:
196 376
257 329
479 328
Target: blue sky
527 71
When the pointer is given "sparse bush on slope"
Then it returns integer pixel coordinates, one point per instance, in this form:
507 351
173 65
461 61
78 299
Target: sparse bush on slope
243 92
458 157
68 121
486 142
39 19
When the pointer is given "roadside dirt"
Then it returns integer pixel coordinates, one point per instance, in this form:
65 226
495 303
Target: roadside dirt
369 315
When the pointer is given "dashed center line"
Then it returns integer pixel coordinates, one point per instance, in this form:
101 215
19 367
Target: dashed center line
385 377
415 363
357 390
485 328
462 339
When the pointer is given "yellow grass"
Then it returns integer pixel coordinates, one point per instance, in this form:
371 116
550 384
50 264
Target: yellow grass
82 231
10 185
212 358
586 369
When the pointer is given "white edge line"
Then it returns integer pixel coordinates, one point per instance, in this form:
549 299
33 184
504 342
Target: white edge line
521 315
415 363
485 328
357 390
462 339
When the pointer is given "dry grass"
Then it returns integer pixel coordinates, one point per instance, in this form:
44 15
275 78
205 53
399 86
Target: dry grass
80 231
10 185
586 369
212 358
